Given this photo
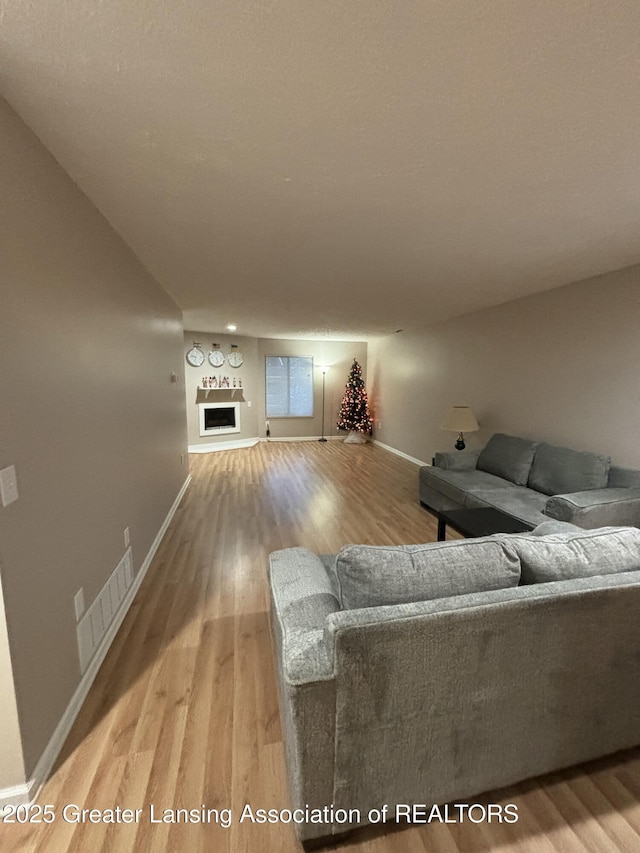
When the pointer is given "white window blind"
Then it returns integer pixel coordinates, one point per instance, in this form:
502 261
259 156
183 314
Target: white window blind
289 382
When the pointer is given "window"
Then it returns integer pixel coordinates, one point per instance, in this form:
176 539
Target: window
289 380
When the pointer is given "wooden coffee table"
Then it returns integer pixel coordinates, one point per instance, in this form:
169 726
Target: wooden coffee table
483 521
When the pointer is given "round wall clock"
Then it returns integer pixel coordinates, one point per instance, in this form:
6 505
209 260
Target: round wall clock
216 358
195 356
235 358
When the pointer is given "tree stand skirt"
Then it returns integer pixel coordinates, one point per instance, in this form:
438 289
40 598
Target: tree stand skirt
355 437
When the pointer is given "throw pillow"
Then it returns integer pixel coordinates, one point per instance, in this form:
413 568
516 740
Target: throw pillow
564 556
508 457
372 576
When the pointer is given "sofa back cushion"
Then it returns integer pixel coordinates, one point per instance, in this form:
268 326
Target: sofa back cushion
560 471
623 478
372 576
508 457
583 554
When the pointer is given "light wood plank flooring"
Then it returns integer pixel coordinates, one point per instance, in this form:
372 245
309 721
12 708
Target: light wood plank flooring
184 710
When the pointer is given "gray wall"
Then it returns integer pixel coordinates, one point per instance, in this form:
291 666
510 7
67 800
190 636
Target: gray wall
337 355
91 420
561 366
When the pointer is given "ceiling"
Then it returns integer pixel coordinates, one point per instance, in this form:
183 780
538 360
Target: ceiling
342 169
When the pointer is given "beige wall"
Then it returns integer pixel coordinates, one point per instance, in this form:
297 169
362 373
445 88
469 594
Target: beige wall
337 355
561 366
91 420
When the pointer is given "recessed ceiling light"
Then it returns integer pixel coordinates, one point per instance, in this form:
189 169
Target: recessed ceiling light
231 327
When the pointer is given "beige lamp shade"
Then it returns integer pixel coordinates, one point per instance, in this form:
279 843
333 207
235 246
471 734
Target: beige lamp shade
460 419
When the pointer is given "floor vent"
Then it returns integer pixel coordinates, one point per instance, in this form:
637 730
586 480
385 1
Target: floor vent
93 625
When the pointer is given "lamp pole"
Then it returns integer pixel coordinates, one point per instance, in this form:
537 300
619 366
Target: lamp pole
324 373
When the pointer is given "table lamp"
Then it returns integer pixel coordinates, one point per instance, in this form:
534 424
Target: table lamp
460 419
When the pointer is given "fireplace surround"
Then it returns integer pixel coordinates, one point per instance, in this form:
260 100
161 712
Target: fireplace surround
219 418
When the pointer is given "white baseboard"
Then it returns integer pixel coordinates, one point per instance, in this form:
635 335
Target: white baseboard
17 795
251 442
400 453
223 445
23 794
305 438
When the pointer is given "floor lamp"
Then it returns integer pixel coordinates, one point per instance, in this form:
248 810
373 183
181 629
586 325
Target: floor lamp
324 375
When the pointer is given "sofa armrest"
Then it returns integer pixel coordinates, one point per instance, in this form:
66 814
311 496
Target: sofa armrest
459 460
597 508
302 596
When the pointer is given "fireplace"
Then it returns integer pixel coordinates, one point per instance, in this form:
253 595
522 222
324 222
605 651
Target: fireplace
219 418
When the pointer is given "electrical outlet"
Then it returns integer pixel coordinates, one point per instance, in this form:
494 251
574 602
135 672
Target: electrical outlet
127 537
248 404
8 485
78 603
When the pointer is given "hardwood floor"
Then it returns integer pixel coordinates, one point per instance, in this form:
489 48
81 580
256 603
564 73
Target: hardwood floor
184 709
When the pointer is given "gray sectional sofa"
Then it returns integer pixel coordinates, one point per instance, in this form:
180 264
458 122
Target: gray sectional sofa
432 673
532 482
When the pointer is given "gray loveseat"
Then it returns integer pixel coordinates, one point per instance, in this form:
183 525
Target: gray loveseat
532 666
533 482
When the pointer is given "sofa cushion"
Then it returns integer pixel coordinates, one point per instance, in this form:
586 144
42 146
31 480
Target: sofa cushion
559 470
372 576
456 485
508 457
564 556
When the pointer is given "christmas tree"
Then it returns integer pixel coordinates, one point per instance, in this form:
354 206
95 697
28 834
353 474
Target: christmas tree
354 409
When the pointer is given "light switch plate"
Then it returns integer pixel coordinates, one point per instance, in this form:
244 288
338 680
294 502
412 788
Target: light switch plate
8 485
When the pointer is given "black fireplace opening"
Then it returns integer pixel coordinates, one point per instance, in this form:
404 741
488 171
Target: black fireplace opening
223 417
